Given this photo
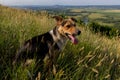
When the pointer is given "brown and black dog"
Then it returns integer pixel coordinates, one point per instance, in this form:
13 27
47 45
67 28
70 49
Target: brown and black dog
44 45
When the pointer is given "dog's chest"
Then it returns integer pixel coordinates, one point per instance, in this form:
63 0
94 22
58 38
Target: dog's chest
60 41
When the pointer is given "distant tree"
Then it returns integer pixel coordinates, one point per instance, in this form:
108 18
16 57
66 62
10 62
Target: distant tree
80 22
63 15
103 29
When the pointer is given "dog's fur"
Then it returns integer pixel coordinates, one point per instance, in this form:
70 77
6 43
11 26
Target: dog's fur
46 44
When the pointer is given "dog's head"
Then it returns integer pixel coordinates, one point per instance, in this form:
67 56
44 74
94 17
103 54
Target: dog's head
67 28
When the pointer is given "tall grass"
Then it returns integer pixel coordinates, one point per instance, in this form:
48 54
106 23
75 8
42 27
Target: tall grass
95 57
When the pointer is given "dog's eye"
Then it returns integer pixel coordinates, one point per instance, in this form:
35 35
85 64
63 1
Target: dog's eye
74 24
68 26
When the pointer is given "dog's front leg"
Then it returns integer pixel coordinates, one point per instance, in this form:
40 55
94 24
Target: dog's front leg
21 54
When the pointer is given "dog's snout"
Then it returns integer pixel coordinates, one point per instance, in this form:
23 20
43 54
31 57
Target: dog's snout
79 32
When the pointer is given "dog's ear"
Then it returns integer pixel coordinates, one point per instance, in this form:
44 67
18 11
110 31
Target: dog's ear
73 19
58 19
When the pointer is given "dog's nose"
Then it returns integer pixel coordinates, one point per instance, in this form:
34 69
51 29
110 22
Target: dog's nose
79 32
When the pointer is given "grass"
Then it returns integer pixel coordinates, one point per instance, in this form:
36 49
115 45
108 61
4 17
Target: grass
94 58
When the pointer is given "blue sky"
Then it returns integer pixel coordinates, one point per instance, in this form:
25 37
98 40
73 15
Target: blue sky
60 2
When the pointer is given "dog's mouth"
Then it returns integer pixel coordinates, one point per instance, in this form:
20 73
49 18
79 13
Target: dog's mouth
72 38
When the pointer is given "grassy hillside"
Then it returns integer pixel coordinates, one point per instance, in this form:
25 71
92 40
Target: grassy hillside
94 58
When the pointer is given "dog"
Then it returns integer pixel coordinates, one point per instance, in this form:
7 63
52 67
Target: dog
50 42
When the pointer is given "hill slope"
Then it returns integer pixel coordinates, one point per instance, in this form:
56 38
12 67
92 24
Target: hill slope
94 58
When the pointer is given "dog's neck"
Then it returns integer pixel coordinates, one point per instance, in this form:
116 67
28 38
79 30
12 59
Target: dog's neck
58 38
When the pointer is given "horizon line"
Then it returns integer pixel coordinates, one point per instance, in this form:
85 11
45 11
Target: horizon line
63 5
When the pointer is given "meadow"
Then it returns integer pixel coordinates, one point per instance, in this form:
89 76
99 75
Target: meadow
96 57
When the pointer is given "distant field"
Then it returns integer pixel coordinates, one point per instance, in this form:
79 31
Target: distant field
76 10
112 11
108 17
96 16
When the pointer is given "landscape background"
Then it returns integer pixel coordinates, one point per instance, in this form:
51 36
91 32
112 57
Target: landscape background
96 57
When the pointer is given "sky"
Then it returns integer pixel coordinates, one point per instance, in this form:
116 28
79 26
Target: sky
60 2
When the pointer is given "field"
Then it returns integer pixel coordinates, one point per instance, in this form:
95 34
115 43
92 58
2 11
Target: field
96 57
103 16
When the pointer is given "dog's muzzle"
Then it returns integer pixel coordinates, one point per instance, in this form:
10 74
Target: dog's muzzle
79 32
72 37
